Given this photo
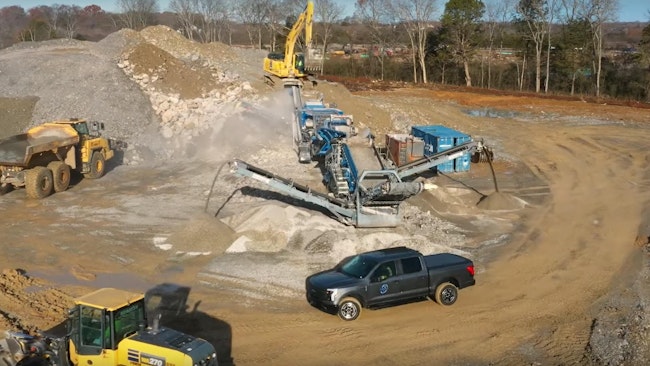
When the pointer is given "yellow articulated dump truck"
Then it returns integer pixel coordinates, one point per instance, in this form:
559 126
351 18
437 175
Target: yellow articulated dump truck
41 160
108 327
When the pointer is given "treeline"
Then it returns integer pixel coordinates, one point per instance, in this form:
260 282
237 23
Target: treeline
545 46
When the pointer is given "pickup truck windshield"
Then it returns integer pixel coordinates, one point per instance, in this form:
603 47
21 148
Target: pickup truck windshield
358 266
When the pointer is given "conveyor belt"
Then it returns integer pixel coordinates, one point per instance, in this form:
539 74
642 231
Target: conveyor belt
338 207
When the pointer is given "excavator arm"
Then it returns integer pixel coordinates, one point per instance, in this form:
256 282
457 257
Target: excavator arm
304 21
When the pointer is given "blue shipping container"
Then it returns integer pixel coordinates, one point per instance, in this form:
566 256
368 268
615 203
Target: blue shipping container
462 164
439 138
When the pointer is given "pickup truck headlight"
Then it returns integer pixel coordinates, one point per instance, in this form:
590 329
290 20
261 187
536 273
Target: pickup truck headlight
331 294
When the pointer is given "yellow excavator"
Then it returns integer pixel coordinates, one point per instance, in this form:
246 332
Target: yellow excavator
291 64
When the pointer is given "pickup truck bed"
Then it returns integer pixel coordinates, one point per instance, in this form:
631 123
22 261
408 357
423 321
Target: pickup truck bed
443 260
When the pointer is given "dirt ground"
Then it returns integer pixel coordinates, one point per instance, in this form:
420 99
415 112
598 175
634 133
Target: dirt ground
546 270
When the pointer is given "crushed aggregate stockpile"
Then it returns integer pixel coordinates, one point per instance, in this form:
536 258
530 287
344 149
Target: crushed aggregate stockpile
15 114
70 78
198 98
501 201
169 74
201 235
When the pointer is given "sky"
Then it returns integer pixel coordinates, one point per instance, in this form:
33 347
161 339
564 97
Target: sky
629 10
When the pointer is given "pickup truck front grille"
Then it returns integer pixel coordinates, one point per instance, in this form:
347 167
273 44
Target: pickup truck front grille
316 294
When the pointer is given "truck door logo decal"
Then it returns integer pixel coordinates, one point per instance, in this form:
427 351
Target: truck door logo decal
383 289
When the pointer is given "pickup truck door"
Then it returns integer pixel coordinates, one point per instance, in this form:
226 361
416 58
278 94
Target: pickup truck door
384 284
414 278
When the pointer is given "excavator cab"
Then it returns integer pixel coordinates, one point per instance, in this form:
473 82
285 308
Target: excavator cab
299 62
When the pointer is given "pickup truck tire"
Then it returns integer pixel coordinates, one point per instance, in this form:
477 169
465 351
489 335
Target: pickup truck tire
60 175
349 309
97 166
446 294
38 182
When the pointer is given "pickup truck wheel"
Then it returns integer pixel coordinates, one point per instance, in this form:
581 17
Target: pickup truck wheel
97 166
60 175
446 294
38 182
349 309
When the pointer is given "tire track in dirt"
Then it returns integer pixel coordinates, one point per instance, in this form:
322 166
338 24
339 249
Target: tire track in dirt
585 245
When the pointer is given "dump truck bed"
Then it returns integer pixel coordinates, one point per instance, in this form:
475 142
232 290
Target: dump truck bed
17 150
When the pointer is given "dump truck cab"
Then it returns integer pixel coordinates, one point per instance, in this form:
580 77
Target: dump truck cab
90 142
109 327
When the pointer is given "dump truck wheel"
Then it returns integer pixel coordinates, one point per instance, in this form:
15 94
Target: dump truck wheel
97 166
446 294
5 188
60 175
38 182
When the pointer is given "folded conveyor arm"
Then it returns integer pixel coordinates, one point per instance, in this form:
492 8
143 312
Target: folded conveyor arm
338 207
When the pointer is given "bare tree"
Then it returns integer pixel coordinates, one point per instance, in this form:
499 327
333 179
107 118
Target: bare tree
225 21
644 50
200 19
12 19
416 17
533 13
209 12
52 17
497 14
376 16
69 19
327 13
554 9
186 13
253 14
36 28
597 13
275 22
137 14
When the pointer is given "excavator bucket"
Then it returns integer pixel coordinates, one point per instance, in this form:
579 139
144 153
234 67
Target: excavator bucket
313 60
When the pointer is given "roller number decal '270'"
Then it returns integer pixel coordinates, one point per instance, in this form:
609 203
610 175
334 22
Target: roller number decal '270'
150 360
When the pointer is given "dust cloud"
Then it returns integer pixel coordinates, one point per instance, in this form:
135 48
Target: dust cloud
237 130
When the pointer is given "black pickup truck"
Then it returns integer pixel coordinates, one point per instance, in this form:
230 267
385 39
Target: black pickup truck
388 276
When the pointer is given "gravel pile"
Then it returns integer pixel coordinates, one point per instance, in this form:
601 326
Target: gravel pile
70 79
